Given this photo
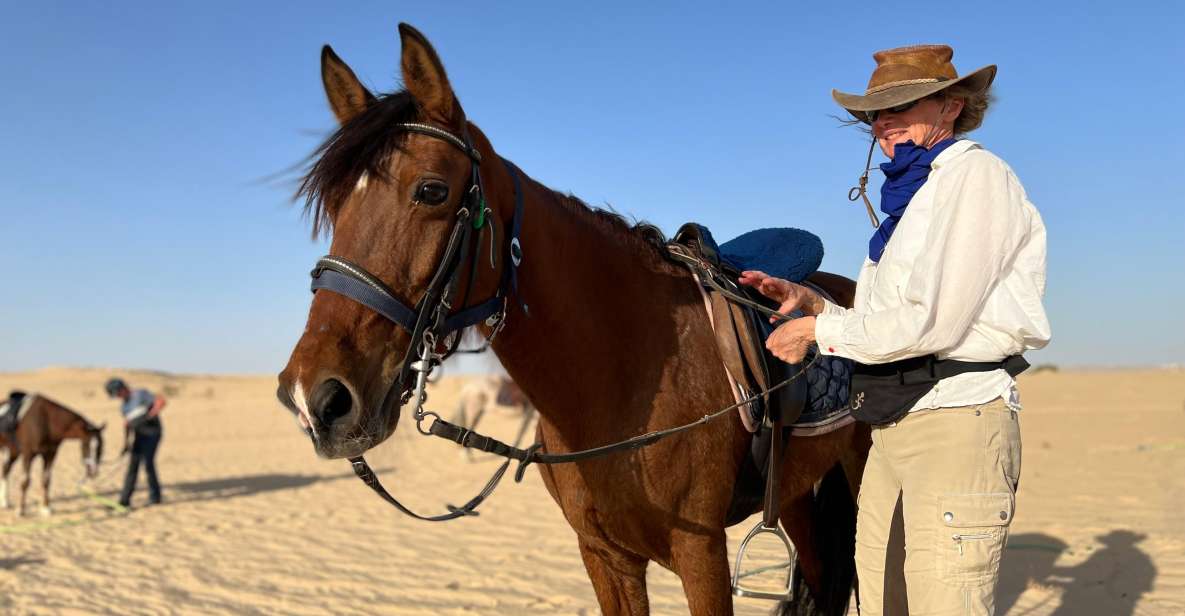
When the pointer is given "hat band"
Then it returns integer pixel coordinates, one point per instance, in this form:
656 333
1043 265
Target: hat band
905 82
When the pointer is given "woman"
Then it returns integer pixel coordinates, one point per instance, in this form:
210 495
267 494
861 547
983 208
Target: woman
947 300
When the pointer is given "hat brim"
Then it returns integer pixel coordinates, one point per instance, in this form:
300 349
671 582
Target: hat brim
858 105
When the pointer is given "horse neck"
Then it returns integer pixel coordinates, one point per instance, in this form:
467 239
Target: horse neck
605 314
64 422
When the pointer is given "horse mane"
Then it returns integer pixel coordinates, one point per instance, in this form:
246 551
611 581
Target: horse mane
642 237
363 145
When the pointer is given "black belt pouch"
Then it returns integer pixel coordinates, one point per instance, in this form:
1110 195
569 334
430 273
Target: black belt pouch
882 394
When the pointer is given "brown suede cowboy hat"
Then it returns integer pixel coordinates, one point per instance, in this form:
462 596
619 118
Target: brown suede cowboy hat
907 74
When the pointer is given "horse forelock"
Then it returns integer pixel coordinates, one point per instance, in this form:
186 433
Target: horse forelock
357 152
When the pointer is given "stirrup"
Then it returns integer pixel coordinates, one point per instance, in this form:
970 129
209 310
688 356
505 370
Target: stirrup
789 565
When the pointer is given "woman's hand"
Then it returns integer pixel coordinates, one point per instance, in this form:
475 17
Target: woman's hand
791 340
791 296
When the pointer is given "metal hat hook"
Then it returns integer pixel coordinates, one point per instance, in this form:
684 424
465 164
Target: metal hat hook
861 191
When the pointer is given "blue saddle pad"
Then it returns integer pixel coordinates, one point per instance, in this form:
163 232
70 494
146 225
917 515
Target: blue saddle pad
785 252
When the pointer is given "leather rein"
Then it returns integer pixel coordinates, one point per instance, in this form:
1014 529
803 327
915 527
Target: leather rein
431 323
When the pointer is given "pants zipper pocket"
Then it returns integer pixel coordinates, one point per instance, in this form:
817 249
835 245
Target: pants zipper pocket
959 539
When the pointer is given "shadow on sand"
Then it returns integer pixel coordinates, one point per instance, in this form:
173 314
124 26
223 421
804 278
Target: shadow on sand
227 487
1108 583
8 564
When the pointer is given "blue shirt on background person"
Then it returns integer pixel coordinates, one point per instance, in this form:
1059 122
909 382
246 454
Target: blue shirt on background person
136 411
140 410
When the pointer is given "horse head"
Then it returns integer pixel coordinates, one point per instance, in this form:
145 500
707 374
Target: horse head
390 196
92 449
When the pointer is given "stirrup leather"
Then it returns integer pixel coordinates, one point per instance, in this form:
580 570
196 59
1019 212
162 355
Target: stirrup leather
770 525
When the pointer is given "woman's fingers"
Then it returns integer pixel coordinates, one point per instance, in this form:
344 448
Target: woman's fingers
752 278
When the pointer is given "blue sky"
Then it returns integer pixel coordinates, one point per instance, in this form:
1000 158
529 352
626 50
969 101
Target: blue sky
139 228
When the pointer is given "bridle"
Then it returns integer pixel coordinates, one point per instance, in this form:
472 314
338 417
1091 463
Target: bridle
430 323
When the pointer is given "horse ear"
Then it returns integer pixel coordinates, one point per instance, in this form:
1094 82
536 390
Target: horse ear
101 427
347 96
424 76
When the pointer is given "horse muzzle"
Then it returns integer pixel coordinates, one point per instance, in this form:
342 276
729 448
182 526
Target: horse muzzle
336 420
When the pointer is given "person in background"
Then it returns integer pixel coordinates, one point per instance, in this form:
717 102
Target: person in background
141 414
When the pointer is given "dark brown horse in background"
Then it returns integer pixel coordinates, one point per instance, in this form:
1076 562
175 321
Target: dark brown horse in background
607 337
40 432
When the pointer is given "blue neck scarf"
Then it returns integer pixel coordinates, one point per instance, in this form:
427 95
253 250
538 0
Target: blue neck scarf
904 175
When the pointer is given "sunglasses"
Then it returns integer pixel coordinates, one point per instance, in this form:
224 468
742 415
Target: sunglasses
902 108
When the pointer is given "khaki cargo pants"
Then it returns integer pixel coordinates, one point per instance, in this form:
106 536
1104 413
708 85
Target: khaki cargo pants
949 477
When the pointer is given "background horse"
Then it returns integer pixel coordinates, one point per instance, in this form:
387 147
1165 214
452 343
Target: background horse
616 342
480 394
40 432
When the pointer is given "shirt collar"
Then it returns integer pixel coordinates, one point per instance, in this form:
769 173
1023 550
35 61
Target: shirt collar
956 149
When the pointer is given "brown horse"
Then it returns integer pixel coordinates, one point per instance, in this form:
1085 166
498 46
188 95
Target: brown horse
607 337
40 432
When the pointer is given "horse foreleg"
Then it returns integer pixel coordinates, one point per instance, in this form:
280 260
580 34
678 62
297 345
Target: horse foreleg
8 462
619 579
27 470
701 561
46 475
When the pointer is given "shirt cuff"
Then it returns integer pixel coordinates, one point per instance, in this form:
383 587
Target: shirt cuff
830 307
829 333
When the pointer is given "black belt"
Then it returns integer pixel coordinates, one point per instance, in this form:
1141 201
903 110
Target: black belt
928 367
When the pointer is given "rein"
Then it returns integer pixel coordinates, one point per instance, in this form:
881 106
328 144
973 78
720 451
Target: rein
430 324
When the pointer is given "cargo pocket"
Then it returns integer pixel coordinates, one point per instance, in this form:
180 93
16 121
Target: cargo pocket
971 536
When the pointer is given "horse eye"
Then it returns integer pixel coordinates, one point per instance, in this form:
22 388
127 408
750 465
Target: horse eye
432 193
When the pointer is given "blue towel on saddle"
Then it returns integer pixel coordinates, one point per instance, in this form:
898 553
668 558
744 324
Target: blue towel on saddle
787 253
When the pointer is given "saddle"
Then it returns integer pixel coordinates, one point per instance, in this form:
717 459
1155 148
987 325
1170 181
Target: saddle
10 410
813 404
741 330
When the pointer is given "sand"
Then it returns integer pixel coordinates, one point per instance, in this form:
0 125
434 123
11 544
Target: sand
254 523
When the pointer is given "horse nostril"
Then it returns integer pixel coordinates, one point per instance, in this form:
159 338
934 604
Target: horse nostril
331 401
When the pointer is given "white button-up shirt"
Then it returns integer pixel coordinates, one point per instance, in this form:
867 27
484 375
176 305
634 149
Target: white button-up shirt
962 277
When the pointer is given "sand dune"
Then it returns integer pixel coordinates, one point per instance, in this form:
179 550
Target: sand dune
254 523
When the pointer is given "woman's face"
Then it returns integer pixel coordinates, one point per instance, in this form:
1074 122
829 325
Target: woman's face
929 121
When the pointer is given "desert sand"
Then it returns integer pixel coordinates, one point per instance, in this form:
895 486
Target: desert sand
254 523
